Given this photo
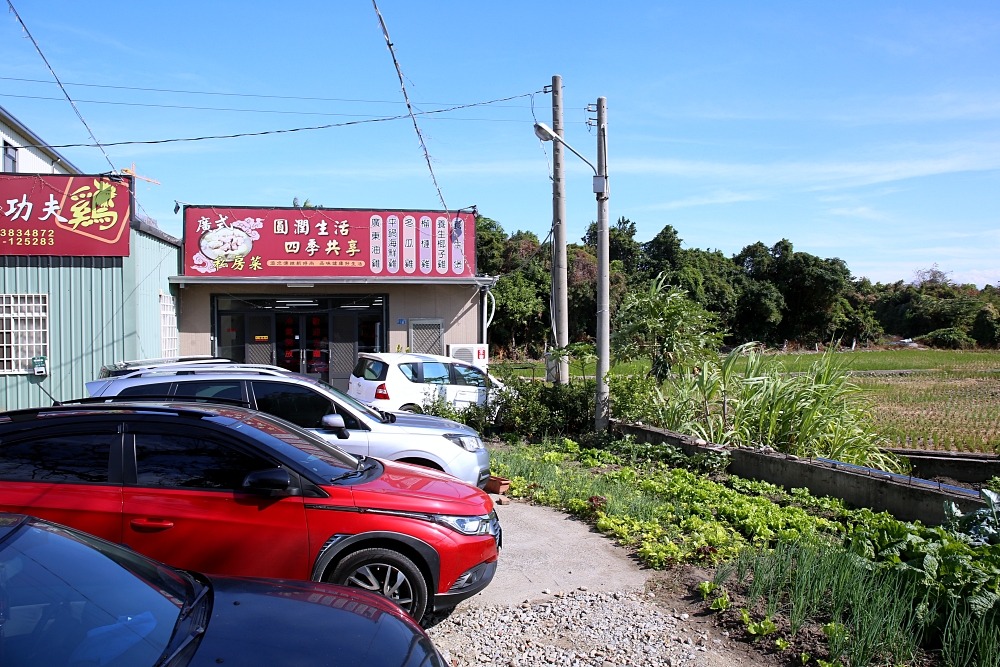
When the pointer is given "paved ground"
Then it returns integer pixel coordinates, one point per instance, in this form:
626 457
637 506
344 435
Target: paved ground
545 549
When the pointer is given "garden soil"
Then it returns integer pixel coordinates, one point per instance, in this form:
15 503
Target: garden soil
565 594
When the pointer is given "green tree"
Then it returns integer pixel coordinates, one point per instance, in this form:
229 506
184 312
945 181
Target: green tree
661 323
491 244
622 245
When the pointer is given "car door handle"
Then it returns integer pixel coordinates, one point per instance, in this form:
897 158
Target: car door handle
150 525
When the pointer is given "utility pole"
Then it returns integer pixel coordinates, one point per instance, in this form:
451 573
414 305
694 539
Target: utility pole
602 407
558 369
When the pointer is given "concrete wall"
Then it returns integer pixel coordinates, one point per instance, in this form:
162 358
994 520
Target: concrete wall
457 305
960 466
908 503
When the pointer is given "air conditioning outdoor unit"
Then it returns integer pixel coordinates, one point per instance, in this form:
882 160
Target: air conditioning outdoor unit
478 355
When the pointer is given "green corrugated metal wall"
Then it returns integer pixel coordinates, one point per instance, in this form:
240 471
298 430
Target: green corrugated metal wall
100 308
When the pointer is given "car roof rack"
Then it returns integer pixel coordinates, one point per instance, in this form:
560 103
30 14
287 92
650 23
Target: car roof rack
203 368
156 397
121 367
28 414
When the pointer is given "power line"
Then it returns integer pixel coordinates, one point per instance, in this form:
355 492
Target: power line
255 95
409 107
61 86
381 119
275 111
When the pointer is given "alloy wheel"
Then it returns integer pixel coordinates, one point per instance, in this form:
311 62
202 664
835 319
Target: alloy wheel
386 580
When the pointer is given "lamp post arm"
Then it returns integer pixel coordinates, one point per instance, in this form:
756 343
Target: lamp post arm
556 137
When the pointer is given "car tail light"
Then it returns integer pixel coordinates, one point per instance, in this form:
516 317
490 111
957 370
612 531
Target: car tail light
381 393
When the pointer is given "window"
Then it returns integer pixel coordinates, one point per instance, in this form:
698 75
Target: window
427 336
9 159
410 371
468 376
73 600
24 329
300 405
192 462
370 369
70 459
168 327
154 389
436 373
207 389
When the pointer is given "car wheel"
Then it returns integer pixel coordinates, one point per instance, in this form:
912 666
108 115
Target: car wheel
387 573
410 407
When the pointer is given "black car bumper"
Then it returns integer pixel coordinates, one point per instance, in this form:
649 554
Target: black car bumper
478 578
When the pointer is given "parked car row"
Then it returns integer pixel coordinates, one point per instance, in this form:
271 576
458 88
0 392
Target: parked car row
294 498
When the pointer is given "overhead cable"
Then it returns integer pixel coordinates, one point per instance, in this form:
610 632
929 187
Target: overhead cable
276 111
409 107
61 86
380 119
256 95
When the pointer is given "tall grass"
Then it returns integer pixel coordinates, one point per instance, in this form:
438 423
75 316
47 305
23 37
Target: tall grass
749 400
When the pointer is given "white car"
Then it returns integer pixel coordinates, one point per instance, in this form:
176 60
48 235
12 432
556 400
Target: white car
404 382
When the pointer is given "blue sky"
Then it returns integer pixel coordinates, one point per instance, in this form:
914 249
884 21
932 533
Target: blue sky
865 131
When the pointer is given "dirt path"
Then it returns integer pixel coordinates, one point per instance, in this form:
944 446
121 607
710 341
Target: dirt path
566 595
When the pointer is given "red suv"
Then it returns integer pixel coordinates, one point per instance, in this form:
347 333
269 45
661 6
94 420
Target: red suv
227 490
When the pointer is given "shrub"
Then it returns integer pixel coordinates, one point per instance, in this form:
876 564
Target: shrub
535 409
951 338
986 327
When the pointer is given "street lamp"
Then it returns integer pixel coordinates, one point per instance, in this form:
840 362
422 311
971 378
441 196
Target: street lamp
545 133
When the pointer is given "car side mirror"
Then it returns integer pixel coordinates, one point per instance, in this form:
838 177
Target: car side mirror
336 423
273 481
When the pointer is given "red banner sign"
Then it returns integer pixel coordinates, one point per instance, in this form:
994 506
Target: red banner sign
48 214
230 242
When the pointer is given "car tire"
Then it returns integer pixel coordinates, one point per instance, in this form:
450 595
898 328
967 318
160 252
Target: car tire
410 407
387 573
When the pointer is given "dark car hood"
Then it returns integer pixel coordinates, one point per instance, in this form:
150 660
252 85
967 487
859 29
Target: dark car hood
269 622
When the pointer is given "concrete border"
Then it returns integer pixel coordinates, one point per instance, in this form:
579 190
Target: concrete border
880 494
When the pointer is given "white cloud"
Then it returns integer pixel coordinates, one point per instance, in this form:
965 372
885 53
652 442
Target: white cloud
859 212
704 200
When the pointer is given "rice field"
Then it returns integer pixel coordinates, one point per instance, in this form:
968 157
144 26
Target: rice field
951 411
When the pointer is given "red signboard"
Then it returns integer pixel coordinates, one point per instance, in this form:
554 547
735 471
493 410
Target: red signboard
228 242
48 214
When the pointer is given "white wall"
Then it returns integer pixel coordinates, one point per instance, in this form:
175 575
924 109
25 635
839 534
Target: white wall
29 160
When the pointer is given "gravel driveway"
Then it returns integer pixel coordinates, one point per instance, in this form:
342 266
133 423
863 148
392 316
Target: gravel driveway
565 595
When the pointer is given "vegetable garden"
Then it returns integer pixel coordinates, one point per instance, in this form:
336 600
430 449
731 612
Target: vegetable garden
884 591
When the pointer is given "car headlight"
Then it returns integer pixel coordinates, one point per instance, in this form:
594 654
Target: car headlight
470 443
467 525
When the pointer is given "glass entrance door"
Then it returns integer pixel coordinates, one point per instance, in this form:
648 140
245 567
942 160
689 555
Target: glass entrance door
287 343
316 348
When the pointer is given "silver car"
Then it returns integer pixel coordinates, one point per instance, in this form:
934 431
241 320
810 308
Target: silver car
313 404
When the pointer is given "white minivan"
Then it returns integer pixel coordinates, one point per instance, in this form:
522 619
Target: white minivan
404 382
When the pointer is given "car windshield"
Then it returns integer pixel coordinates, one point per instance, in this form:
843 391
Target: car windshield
351 403
298 444
73 600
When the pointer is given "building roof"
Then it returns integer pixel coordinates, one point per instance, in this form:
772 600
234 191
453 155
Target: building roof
37 142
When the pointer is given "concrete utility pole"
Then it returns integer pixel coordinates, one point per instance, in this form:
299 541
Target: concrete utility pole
602 408
559 368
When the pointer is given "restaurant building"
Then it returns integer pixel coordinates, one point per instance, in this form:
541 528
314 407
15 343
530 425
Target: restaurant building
307 289
83 283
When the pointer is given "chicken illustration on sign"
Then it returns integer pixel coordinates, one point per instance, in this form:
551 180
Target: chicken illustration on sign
239 241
